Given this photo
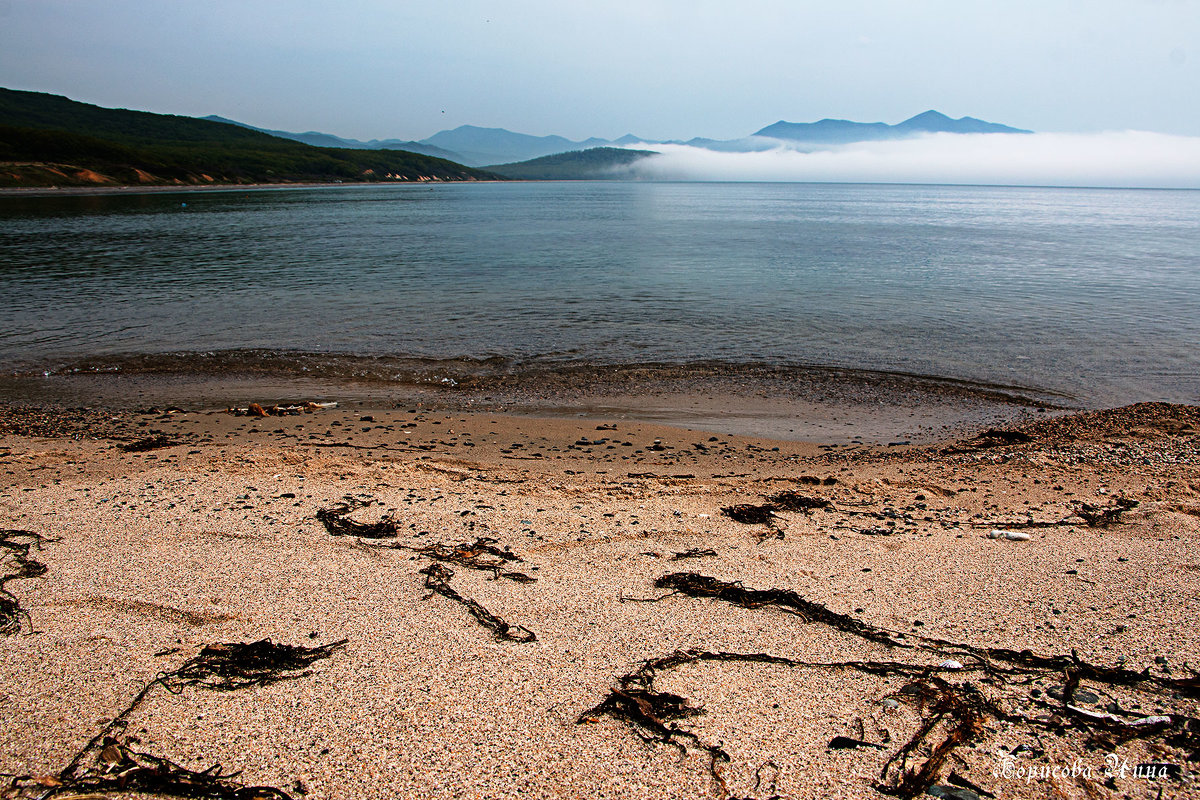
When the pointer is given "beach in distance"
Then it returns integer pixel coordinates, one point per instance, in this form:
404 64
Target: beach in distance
613 490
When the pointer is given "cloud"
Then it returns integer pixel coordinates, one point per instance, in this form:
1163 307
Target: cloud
1114 159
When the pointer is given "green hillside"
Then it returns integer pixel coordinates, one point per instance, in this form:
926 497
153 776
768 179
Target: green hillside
51 140
598 163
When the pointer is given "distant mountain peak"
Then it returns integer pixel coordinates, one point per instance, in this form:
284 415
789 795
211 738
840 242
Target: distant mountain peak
841 131
929 116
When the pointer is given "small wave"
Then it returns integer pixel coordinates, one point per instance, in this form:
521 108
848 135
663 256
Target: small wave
546 378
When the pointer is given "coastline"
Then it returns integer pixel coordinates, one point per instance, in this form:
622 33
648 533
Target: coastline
211 534
68 191
814 404
134 188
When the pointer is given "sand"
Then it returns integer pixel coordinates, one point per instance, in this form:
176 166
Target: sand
152 555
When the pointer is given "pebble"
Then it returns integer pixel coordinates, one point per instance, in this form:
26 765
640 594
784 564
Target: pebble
952 793
1013 536
950 663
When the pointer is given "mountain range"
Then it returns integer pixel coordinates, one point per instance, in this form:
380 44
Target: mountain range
52 140
318 139
481 147
841 131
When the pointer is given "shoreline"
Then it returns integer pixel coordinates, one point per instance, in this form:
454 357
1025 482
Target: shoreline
69 191
163 532
791 403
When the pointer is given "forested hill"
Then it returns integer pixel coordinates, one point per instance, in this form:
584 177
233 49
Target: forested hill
598 163
49 140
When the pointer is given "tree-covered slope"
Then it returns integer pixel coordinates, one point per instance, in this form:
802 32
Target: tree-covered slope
598 163
85 144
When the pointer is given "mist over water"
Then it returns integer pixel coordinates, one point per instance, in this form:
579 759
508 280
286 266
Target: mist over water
1131 159
1091 293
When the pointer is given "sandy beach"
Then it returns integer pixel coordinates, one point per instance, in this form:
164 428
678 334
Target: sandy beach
494 605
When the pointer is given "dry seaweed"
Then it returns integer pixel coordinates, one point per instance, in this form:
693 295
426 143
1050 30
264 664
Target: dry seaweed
695 585
1021 661
961 709
953 714
995 437
653 714
437 579
766 513
223 667
15 545
694 552
1093 516
481 554
1103 516
749 514
120 769
848 743
337 522
233 665
150 443
794 501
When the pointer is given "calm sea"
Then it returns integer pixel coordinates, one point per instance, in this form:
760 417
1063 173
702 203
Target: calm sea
1091 293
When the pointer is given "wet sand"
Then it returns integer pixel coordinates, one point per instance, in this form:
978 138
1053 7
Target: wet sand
897 612
813 404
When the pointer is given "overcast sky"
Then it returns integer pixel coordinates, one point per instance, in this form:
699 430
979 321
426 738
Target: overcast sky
659 69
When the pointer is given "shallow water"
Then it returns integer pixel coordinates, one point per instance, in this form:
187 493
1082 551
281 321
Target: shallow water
1094 294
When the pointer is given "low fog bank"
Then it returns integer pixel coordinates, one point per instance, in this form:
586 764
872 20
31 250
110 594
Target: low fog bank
1134 159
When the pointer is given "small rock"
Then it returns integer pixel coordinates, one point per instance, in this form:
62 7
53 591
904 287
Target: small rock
1158 719
891 704
952 793
1017 536
846 743
950 663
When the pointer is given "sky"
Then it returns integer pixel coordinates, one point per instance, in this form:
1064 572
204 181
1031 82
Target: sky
661 70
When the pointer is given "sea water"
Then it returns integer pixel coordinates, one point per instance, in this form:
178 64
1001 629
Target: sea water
1090 294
